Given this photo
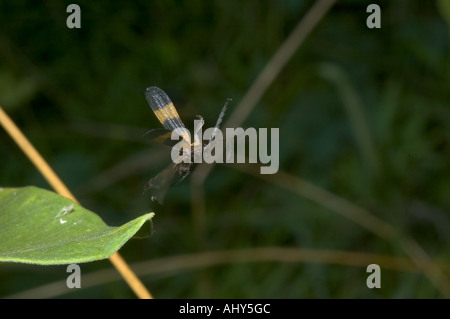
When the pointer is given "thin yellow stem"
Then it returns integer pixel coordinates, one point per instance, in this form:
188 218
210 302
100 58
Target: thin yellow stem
54 181
129 276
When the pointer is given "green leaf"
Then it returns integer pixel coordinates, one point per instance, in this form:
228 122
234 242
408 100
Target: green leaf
40 227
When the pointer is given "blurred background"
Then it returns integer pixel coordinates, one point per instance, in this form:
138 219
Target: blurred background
364 144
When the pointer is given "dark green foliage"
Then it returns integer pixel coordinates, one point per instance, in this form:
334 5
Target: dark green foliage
79 97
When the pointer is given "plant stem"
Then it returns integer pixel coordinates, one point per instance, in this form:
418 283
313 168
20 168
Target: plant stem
54 181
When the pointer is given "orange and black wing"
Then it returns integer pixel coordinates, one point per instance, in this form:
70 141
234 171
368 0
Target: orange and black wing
163 108
166 113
